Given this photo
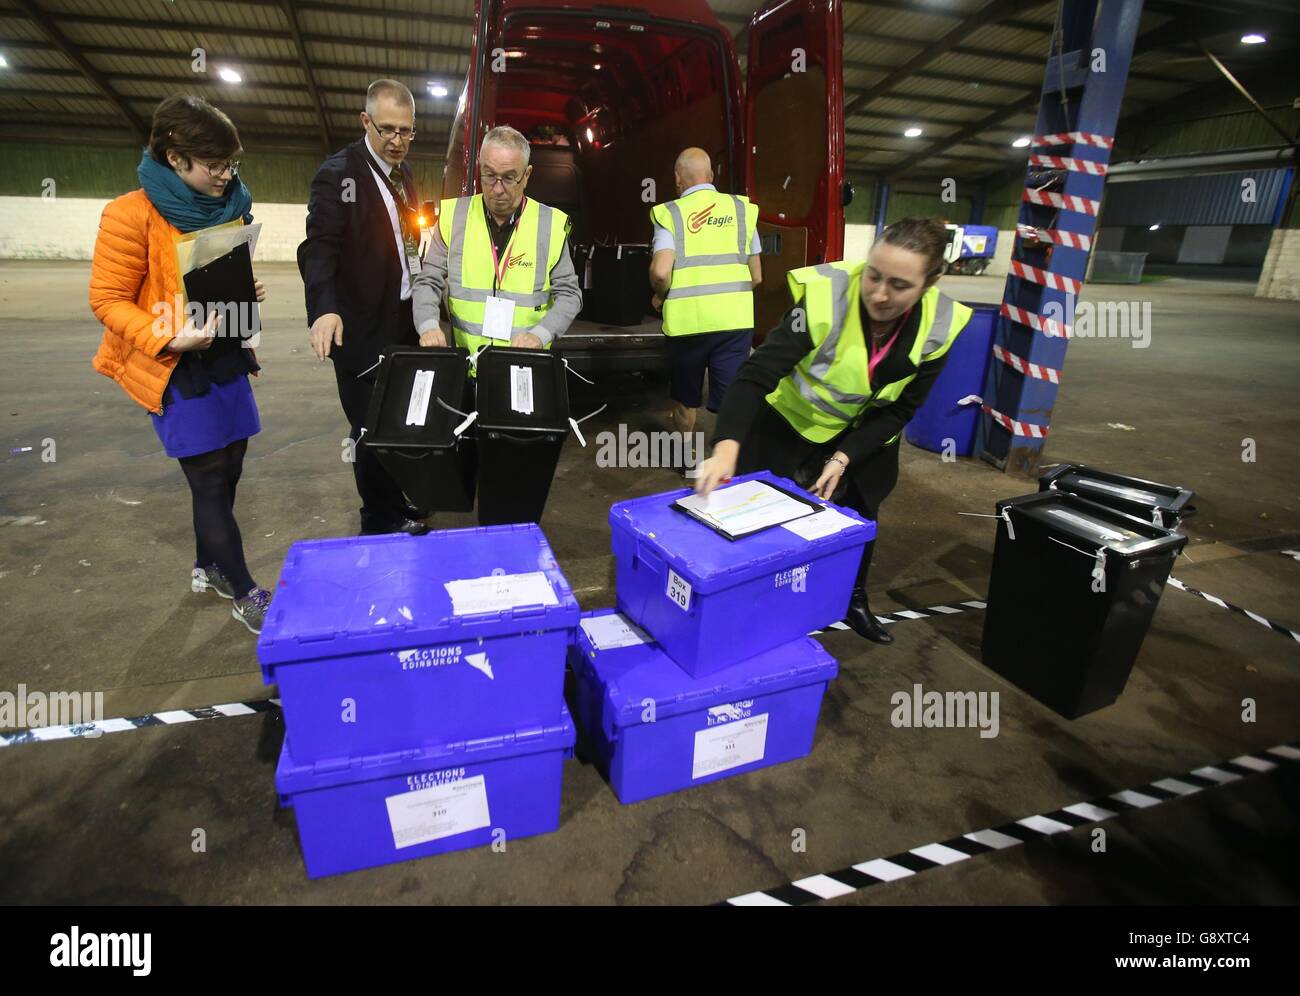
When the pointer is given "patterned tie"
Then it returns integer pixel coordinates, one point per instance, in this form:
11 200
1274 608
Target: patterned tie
396 177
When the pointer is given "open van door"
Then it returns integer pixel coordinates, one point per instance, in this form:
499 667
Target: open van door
794 142
460 168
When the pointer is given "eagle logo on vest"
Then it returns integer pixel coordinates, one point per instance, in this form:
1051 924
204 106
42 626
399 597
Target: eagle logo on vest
514 261
699 219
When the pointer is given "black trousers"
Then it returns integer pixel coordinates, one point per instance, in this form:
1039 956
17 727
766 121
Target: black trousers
773 445
382 502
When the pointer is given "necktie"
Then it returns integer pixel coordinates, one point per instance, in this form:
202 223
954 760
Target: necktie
396 177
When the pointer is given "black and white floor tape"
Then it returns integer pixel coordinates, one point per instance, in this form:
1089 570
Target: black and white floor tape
1275 627
846 881
170 717
901 614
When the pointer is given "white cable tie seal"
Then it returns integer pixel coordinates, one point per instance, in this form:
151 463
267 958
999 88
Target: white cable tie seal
371 367
1006 517
971 399
1156 518
473 357
573 424
469 420
575 373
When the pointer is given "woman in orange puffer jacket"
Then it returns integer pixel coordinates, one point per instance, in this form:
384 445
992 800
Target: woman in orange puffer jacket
199 398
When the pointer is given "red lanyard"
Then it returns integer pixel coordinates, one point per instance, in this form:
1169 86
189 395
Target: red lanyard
501 263
884 351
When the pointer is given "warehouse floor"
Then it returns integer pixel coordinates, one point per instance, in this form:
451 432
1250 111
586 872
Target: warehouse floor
95 548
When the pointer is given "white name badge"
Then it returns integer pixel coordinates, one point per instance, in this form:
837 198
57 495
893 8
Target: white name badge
414 264
499 318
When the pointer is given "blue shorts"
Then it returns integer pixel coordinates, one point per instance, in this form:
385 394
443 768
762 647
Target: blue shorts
719 353
211 421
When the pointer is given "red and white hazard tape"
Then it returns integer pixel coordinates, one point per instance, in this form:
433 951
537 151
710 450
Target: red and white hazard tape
1047 326
1065 162
1023 366
1073 138
1011 425
1066 202
1071 240
1052 281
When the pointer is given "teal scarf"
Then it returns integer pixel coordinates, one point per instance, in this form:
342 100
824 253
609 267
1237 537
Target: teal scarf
184 206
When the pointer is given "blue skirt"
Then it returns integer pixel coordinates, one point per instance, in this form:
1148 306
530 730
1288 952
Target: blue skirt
191 426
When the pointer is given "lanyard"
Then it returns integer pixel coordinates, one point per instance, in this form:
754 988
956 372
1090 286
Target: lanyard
881 353
501 263
405 215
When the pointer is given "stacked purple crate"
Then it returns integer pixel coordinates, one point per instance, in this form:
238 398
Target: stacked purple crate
422 685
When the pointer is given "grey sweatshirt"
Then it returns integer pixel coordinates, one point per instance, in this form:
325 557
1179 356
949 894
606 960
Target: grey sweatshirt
429 285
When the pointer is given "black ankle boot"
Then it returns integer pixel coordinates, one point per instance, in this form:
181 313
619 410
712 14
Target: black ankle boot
862 622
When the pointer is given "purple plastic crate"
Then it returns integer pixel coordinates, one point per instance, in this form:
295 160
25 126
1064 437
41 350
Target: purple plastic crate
370 655
710 601
656 729
360 812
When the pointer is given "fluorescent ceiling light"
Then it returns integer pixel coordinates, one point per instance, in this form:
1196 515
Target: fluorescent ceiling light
1254 38
912 132
1154 227
229 75
4 63
437 90
1021 142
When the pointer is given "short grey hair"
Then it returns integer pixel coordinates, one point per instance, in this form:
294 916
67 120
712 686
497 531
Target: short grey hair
506 137
387 88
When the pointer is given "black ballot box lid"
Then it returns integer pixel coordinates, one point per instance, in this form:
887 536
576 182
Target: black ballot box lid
1090 525
404 408
1165 504
522 391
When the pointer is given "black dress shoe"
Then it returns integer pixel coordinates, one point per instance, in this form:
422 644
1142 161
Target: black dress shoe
416 513
863 622
410 526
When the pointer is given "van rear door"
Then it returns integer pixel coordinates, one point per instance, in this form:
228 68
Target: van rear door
794 135
461 165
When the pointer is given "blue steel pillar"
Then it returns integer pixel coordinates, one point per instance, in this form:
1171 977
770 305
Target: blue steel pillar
1047 271
882 204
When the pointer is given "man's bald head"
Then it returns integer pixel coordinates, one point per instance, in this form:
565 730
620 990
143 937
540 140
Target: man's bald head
692 167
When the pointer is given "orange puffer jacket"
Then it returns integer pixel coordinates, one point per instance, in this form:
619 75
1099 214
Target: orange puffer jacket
134 269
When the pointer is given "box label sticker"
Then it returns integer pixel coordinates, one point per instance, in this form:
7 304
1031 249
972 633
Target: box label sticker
499 592
721 748
417 410
613 631
521 390
679 590
824 523
437 812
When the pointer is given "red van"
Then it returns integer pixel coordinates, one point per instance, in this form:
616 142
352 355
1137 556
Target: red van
609 94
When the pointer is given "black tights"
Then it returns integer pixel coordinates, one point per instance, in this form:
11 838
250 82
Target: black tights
213 478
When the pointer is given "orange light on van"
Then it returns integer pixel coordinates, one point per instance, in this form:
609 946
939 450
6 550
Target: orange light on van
424 222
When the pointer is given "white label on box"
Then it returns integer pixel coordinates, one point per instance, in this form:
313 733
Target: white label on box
613 631
721 748
824 523
438 812
679 590
499 318
417 410
521 390
499 592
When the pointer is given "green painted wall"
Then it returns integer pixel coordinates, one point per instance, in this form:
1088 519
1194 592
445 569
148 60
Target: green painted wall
1003 205
273 177
903 204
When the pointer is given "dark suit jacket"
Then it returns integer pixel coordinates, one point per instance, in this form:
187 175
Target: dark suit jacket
349 261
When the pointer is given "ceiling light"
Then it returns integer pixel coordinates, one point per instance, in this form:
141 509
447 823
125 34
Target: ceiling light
1154 227
1254 38
1021 142
590 136
596 66
912 132
4 63
229 75
437 90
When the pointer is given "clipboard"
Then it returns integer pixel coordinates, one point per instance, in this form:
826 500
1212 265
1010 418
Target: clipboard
225 282
812 507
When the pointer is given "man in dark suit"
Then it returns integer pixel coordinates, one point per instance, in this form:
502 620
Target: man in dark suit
356 263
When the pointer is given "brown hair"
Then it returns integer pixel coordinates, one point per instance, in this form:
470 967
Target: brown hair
194 128
925 236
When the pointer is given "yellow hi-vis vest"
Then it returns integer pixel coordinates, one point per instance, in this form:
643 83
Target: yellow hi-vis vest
711 290
534 249
829 389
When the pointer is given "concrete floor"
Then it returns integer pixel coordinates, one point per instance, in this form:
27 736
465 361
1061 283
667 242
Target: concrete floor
95 550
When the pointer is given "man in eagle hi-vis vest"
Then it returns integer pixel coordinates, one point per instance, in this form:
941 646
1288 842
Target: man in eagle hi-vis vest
500 258
704 268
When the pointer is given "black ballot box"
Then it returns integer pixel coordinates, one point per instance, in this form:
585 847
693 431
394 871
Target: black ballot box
1164 504
413 435
523 420
1073 590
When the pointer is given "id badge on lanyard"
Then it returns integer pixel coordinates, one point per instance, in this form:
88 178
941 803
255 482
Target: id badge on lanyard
499 312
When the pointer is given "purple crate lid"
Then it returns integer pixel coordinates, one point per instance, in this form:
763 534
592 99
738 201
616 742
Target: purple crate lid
631 675
712 562
377 593
292 778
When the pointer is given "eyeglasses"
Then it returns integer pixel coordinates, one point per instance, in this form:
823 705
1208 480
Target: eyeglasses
508 182
217 169
388 132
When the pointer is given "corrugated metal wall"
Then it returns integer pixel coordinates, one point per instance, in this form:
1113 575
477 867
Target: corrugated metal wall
273 177
1215 199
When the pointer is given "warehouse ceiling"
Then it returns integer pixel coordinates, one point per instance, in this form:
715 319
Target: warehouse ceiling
967 72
